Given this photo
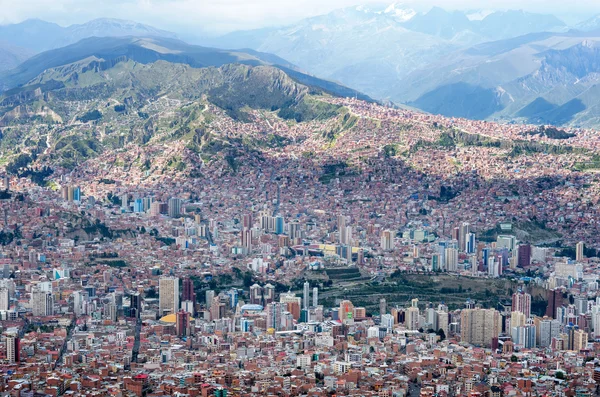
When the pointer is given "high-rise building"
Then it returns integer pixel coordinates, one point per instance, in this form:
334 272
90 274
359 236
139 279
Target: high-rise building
306 296
233 298
342 222
555 300
168 295
524 255
521 302
346 311
217 308
274 315
470 243
256 297
548 329
412 318
462 236
13 348
135 305
579 251
524 336
387 240
268 294
246 240
182 323
188 293
315 297
42 302
279 224
247 221
480 326
174 204
209 296
451 259
4 298
382 306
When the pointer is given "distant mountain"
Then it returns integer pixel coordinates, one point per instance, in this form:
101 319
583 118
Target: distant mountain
372 48
37 35
149 50
130 87
441 23
545 78
362 47
11 56
589 25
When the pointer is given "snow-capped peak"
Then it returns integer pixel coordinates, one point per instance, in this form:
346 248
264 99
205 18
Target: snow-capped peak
399 12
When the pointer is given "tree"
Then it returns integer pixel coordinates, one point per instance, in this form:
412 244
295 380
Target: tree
440 332
513 359
560 375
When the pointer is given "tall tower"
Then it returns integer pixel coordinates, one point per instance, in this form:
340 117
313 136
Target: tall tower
13 348
188 293
174 207
306 302
382 306
521 302
315 297
462 236
4 298
168 295
579 251
42 303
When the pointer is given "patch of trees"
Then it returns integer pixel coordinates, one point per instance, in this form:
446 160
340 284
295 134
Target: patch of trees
550 132
92 115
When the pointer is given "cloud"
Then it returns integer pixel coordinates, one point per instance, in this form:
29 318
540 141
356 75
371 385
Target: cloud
202 16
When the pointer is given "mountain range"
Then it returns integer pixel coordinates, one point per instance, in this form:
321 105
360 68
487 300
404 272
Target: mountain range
501 65
372 48
32 36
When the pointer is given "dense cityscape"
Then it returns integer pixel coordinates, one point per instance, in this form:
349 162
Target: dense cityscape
238 283
182 220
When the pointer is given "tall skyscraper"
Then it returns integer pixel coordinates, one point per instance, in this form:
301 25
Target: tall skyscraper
315 297
579 251
524 255
188 293
451 259
13 348
274 315
306 297
412 318
470 243
256 295
268 294
555 300
279 224
480 326
462 236
174 210
387 240
4 298
168 295
382 306
342 222
208 297
42 302
521 302
182 323
548 329
135 305
247 240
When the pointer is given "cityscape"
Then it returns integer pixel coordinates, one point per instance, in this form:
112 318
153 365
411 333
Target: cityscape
178 220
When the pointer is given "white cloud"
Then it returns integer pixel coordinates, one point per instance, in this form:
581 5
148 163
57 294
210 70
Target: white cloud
198 16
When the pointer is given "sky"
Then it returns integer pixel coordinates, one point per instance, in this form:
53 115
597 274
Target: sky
202 17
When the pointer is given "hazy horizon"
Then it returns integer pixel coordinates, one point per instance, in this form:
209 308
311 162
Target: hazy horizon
188 17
